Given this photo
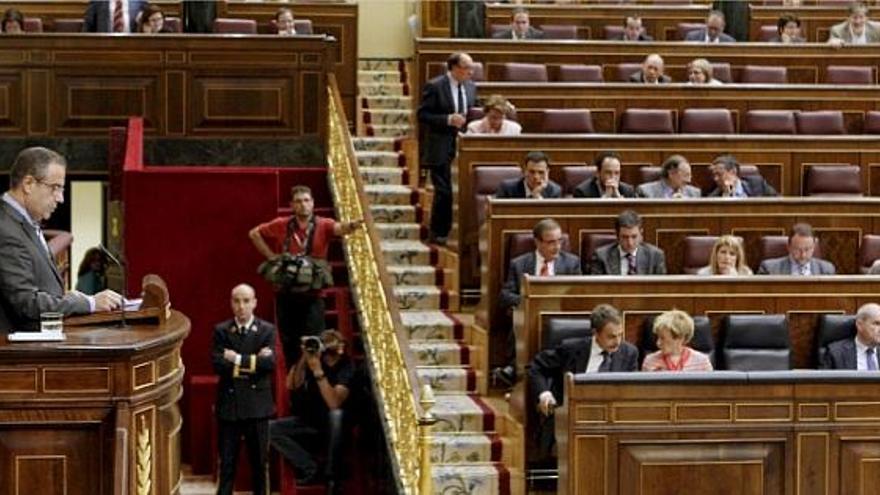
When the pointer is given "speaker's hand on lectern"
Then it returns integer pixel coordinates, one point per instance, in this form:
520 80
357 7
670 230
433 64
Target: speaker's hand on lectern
107 300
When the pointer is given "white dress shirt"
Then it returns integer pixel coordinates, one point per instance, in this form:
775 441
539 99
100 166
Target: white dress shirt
624 263
595 359
862 356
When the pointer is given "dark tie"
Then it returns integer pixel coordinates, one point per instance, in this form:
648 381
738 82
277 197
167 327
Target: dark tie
869 358
462 105
631 264
606 362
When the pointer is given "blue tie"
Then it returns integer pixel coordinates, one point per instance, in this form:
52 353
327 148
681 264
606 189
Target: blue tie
869 358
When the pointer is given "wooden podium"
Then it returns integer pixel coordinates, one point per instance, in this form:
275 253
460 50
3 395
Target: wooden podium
96 413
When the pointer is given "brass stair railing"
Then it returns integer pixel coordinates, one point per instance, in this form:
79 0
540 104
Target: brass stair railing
405 409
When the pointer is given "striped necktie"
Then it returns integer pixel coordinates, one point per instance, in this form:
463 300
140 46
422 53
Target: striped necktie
118 17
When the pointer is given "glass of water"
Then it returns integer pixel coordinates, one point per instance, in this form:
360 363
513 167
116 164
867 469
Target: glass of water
51 322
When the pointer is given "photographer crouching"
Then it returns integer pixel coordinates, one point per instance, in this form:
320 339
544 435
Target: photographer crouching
319 384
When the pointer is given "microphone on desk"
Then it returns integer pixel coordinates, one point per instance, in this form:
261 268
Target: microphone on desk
121 266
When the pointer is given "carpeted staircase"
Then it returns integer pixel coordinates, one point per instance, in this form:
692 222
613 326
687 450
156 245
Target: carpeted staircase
470 449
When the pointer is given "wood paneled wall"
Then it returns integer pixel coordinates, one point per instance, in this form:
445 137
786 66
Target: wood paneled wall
791 433
182 85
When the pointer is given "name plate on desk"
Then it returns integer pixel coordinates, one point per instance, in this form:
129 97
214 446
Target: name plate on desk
35 337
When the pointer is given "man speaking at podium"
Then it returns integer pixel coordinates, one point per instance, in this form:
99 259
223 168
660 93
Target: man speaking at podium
29 280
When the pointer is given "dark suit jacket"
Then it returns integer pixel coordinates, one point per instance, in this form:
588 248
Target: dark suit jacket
782 266
590 189
248 396
515 188
650 260
29 281
841 355
754 186
550 365
566 264
531 34
97 17
642 37
436 105
639 77
700 35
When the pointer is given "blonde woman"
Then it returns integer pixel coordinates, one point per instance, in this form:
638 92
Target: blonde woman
728 258
674 329
700 72
495 119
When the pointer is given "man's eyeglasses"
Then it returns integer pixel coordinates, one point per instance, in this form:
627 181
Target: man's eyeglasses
56 188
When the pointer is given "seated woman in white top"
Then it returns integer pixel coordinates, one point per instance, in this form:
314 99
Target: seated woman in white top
728 258
700 72
674 329
495 119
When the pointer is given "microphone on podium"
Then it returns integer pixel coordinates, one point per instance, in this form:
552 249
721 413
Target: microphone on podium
121 266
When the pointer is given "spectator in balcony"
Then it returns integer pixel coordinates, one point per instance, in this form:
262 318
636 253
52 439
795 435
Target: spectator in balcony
727 258
535 182
495 119
606 183
113 16
91 278
629 255
729 183
856 30
713 32
674 182
605 351
13 22
674 329
284 21
860 352
800 260
520 28
152 21
651 71
788 30
700 72
633 30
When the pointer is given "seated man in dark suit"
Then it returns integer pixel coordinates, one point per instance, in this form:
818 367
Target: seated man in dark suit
651 72
535 182
729 184
714 31
520 28
674 182
800 260
606 183
548 259
605 351
859 353
633 30
629 255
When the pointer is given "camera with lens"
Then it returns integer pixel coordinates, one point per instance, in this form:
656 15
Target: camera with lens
312 344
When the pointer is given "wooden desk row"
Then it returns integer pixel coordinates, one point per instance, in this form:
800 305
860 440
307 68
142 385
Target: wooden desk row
338 19
184 86
798 433
607 101
802 300
840 223
782 160
807 63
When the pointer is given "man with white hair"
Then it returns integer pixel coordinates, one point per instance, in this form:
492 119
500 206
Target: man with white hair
651 72
858 353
